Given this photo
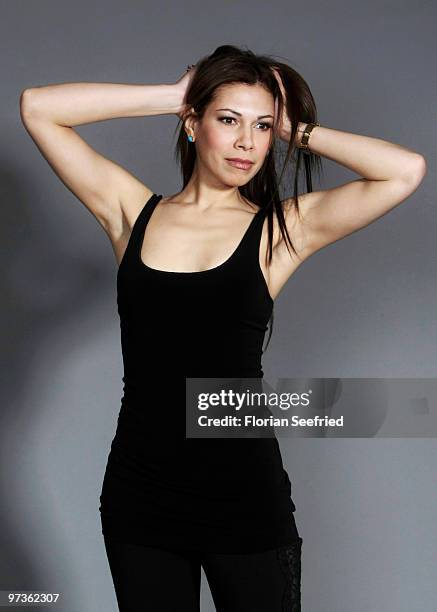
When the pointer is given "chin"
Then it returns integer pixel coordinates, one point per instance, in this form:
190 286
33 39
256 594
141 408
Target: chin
235 182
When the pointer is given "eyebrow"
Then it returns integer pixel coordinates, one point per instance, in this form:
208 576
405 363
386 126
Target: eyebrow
239 114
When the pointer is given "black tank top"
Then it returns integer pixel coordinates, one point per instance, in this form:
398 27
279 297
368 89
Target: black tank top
160 487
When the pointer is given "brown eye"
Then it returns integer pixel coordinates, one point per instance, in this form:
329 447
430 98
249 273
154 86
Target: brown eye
221 119
267 126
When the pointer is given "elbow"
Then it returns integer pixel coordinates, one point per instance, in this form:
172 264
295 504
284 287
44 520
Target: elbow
423 166
416 170
27 100
420 168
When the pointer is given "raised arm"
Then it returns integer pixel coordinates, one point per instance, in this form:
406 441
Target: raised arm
49 113
390 174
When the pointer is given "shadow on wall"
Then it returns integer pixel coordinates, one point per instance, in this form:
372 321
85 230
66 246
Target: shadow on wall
58 299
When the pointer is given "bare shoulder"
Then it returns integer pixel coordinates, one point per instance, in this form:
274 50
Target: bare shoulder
285 261
295 220
132 199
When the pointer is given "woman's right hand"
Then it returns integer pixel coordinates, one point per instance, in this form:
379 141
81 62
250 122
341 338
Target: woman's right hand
182 85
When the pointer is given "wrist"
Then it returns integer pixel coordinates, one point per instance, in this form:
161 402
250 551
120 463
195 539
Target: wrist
285 133
172 98
300 130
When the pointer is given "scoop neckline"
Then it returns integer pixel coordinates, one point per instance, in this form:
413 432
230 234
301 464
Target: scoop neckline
194 272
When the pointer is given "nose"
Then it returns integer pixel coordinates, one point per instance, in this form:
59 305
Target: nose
245 139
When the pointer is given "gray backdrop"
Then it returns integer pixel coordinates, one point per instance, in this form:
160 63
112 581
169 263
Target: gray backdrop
362 307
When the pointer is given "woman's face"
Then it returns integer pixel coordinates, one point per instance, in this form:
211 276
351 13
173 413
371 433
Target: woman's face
237 124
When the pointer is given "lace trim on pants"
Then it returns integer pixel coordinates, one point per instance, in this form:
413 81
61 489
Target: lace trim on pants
290 560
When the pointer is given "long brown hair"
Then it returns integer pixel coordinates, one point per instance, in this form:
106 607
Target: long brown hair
230 64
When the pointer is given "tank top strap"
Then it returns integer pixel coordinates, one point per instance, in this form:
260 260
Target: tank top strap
141 221
251 240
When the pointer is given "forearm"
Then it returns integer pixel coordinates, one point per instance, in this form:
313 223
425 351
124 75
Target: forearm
371 158
71 104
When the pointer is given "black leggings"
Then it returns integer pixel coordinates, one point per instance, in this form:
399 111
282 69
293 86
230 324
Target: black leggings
158 580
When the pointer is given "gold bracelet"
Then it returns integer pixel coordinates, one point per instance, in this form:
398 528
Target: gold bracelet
306 135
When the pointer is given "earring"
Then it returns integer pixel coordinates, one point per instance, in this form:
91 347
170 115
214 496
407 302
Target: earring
190 138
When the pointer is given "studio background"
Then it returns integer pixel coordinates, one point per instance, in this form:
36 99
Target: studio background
362 307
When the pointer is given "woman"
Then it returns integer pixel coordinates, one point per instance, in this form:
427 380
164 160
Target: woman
195 296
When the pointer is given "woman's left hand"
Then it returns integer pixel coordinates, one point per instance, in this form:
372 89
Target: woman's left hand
284 124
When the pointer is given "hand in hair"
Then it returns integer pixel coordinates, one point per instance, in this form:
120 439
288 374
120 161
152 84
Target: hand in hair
182 85
284 122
